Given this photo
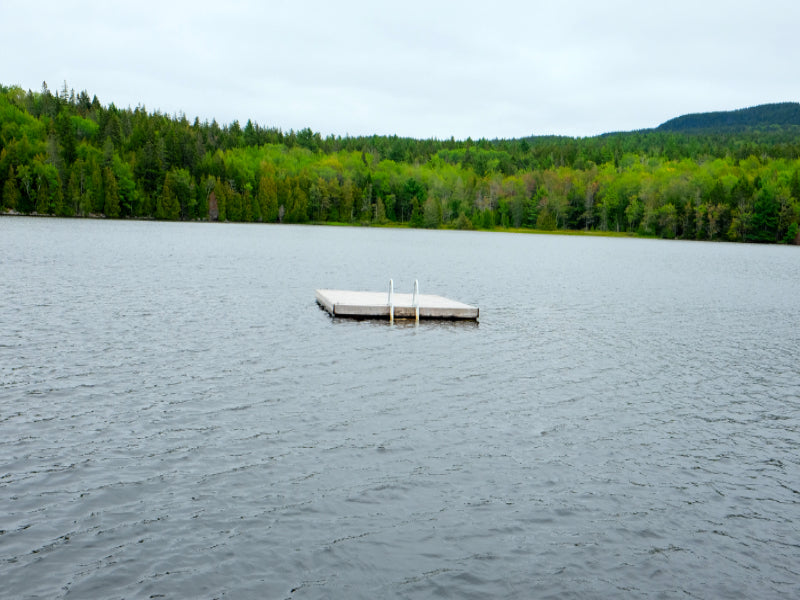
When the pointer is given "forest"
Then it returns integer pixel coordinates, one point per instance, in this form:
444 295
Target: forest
719 176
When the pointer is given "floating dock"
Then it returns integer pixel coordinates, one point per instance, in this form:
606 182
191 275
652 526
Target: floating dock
366 305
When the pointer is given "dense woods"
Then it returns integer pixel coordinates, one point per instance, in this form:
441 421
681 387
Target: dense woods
707 178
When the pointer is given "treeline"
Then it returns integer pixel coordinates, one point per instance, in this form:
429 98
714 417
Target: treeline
66 154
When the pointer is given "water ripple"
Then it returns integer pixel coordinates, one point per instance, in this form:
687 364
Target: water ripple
196 427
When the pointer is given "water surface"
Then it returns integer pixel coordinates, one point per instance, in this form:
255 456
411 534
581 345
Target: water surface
178 418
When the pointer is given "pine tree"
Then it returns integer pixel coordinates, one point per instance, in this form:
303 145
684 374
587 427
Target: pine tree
255 207
167 206
96 188
10 197
268 199
248 214
42 200
299 206
111 207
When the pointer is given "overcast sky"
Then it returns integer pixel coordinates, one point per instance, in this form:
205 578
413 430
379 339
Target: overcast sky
420 69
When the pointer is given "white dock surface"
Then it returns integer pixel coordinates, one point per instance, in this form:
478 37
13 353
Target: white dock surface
343 303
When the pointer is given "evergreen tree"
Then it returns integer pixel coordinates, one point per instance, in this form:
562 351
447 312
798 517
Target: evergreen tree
66 137
765 217
111 207
380 211
182 187
417 217
96 188
255 207
298 213
248 214
267 196
10 191
73 200
167 206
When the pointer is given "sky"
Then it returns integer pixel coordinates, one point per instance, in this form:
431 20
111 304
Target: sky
422 69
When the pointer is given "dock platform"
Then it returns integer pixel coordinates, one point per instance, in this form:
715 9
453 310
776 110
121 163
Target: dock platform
365 305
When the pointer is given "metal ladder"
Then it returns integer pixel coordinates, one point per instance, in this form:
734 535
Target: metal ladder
414 300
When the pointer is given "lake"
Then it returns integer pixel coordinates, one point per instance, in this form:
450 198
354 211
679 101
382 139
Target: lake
179 419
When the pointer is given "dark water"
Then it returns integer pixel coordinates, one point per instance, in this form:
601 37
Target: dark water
179 419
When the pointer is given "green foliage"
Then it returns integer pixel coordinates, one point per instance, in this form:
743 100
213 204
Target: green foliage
49 196
432 213
792 234
111 193
84 129
267 196
168 205
10 198
726 176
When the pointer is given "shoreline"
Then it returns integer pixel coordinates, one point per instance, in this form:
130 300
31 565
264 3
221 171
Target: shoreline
496 229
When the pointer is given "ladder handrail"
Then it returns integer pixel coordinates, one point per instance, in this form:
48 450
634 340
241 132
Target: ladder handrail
390 301
414 300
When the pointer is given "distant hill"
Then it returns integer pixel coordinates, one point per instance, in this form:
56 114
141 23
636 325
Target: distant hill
782 114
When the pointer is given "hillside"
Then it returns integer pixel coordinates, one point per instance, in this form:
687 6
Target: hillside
783 114
67 154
